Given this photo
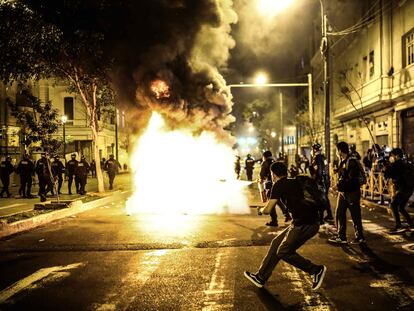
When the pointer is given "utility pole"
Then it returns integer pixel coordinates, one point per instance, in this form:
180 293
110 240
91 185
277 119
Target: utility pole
282 134
326 85
116 134
310 103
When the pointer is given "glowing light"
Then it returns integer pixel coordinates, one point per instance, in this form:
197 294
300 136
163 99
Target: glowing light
251 129
271 8
242 141
160 89
176 173
251 141
273 134
260 79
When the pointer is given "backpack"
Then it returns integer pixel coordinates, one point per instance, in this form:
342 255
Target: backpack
311 193
362 177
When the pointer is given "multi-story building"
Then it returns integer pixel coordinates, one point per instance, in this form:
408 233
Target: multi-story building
78 134
372 78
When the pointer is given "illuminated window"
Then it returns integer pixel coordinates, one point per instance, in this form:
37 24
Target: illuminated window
408 48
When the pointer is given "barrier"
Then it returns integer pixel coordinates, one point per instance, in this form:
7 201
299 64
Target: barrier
377 187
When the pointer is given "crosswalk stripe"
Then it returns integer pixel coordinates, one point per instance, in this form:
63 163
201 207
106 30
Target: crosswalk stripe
41 274
312 299
220 292
125 295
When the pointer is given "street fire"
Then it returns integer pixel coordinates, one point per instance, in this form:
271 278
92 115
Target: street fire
178 173
160 89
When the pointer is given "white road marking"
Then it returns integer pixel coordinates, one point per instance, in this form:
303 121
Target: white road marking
220 292
27 282
394 288
382 231
312 299
11 205
124 295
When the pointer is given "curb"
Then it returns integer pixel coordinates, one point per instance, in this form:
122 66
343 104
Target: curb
79 207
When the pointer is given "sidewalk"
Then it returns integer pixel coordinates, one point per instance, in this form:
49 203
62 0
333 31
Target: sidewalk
15 204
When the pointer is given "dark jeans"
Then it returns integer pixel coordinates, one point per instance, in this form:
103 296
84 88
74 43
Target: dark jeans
81 183
45 186
249 174
399 201
70 180
5 180
111 180
284 247
25 186
325 201
351 201
273 214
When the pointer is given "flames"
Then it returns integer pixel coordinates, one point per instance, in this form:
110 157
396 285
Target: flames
177 173
160 89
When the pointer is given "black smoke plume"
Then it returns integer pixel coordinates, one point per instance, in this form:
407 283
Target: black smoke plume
182 43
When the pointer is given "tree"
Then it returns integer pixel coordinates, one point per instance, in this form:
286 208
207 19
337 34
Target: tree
38 122
65 40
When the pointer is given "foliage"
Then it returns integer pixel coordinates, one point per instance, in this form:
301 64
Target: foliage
38 122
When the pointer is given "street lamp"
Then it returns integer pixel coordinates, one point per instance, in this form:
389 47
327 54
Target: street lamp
64 119
273 134
260 79
271 8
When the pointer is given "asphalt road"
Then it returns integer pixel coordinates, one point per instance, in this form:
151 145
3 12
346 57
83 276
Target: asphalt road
104 259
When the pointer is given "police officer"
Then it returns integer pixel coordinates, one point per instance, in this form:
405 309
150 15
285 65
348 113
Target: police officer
249 166
81 175
319 172
70 170
112 166
25 169
6 168
44 174
57 170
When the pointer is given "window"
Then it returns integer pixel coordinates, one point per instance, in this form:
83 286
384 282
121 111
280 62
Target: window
408 48
68 109
371 64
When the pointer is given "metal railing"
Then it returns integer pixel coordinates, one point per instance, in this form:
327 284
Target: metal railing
377 188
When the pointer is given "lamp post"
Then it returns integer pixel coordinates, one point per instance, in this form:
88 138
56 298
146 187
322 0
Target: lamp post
64 119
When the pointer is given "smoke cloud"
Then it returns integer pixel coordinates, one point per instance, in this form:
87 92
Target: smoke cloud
182 43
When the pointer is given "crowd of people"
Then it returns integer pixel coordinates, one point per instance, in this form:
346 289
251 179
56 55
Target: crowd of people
51 173
303 199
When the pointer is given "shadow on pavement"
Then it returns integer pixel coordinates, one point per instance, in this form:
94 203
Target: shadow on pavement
271 302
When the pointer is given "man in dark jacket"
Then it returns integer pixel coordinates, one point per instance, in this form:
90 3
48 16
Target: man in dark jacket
401 175
71 166
81 175
319 172
58 169
266 180
249 167
304 226
6 168
349 195
112 166
44 175
25 169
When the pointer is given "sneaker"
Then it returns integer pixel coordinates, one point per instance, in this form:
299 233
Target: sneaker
396 230
254 279
317 278
337 240
271 224
358 241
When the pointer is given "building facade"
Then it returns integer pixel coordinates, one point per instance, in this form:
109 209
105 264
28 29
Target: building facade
78 135
372 80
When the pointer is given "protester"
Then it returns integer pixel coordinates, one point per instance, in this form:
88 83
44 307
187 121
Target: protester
6 169
354 153
81 175
93 168
402 176
237 167
249 167
305 225
44 176
320 173
71 166
266 180
293 171
58 169
368 160
350 175
25 169
112 166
